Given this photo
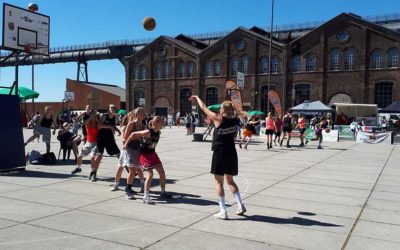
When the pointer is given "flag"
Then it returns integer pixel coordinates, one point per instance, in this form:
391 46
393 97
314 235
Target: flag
235 95
275 101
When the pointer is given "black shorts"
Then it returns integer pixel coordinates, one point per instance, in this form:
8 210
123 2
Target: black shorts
278 133
302 130
188 125
287 130
269 131
224 161
108 144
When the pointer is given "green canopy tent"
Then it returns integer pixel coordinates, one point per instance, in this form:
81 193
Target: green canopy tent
255 112
24 93
214 108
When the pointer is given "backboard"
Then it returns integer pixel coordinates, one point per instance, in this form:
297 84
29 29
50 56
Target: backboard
25 31
69 96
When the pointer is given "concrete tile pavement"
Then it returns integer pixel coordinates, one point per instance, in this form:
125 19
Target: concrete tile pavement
346 196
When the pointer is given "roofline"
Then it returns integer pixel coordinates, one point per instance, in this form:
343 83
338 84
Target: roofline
96 83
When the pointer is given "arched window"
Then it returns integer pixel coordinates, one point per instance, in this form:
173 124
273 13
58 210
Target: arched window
235 61
275 64
334 59
393 58
185 104
310 62
217 68
181 70
263 65
143 72
383 94
190 71
165 69
376 62
245 64
349 58
296 63
138 98
211 96
264 98
157 70
136 72
302 92
208 69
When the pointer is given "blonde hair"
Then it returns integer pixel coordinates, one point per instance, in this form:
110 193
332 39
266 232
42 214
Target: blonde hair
155 119
229 110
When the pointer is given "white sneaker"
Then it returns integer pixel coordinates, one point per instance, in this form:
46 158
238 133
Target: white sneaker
241 210
114 188
223 215
148 200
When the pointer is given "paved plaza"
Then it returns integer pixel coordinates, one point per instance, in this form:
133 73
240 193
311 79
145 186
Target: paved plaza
345 196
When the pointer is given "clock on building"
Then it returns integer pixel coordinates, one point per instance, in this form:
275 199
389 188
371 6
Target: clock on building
343 36
240 45
162 52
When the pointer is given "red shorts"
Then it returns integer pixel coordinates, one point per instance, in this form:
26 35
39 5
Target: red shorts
149 161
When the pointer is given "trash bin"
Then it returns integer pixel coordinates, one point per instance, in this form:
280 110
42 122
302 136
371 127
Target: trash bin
197 137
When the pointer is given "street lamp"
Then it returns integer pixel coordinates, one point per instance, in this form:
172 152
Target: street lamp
270 53
33 8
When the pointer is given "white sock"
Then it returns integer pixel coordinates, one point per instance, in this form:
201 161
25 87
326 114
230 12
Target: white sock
116 184
221 201
78 166
146 194
238 199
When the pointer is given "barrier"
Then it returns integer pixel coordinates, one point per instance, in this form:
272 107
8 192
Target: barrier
12 151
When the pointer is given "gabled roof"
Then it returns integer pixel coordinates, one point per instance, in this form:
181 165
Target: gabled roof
182 45
275 42
353 18
191 41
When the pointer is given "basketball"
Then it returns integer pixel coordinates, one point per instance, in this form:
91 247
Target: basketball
327 130
33 7
149 23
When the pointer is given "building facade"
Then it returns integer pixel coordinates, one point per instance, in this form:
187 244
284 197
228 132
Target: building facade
347 59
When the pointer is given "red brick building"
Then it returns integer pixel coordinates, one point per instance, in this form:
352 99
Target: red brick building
347 59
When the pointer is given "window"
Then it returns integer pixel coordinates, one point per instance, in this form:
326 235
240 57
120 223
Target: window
190 72
245 64
211 96
208 69
263 65
136 72
142 72
165 69
383 94
157 70
235 65
376 59
185 104
302 92
310 63
275 64
181 70
296 63
138 98
349 58
217 68
393 58
264 98
334 59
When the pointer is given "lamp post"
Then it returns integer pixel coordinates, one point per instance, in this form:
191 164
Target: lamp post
270 53
33 8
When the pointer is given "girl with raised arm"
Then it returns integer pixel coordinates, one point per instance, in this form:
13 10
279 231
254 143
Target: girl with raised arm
224 160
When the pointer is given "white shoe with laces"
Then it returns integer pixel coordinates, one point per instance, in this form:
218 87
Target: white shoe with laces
223 215
114 188
148 200
241 210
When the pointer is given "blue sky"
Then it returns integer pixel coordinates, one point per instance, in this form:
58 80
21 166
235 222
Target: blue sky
76 22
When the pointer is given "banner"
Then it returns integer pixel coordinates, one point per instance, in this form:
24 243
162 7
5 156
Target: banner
345 132
235 95
374 138
273 97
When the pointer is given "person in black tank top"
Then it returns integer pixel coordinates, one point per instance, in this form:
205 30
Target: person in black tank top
148 158
43 129
224 160
286 128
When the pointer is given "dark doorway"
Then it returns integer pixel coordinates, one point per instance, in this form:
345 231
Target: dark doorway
162 111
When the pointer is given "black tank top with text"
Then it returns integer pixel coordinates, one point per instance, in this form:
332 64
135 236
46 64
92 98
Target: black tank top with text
224 135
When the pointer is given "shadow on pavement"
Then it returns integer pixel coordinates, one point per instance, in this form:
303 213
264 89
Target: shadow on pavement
182 198
294 220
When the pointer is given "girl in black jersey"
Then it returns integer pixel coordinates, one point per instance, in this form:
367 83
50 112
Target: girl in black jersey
44 128
148 157
224 160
